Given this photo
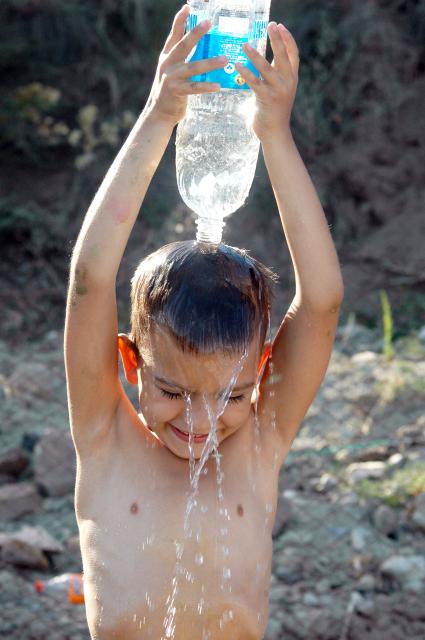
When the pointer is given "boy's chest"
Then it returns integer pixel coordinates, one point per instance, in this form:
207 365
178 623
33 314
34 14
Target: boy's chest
146 534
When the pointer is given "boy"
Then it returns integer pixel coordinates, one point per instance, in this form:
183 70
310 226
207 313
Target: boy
154 565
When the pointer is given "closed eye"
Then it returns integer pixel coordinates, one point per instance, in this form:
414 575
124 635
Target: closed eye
176 396
236 398
171 396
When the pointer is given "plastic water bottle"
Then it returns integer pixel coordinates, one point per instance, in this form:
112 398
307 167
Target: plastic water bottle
70 585
216 148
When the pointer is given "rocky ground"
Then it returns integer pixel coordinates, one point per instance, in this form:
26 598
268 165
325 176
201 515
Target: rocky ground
349 537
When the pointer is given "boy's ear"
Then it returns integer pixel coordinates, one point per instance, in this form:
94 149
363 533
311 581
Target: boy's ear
129 356
263 361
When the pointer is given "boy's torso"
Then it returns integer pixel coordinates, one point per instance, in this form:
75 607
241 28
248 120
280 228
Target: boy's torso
131 498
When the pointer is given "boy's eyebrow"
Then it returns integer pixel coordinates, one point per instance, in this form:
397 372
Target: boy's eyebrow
171 383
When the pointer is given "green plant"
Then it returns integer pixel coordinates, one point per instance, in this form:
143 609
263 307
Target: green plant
394 491
387 324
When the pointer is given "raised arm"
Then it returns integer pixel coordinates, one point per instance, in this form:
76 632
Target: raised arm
303 344
91 354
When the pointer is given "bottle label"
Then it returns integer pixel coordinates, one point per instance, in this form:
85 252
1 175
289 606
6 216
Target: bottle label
226 39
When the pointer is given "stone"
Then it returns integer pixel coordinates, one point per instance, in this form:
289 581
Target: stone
36 536
31 379
21 554
17 499
289 566
421 334
274 628
325 483
385 519
418 517
366 583
364 606
364 356
13 461
364 470
311 600
407 571
283 515
6 479
359 537
55 462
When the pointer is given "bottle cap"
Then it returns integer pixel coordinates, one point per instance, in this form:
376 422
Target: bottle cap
39 586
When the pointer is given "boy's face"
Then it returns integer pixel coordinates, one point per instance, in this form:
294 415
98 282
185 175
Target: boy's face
176 387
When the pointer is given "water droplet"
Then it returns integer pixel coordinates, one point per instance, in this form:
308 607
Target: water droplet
227 616
224 531
134 618
226 551
227 573
204 508
269 508
201 605
199 558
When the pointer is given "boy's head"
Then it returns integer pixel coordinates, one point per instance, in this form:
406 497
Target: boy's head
195 310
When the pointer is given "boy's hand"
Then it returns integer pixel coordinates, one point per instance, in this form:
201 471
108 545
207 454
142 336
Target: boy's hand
168 97
275 91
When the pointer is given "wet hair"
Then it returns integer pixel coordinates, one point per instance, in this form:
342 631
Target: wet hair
208 297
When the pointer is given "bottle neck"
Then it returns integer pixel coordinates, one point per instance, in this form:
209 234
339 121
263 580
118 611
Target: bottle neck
209 230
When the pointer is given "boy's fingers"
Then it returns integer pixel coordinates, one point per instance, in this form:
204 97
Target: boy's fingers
261 64
280 54
182 48
291 48
254 82
203 66
178 28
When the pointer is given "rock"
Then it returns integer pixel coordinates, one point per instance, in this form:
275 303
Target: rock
283 515
364 606
365 470
364 356
325 483
55 462
31 378
36 537
21 554
353 338
408 571
359 537
6 479
18 499
385 519
13 461
412 434
366 583
421 334
396 460
311 600
378 453
274 628
289 566
418 517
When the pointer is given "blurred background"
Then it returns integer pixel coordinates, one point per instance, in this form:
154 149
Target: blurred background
75 76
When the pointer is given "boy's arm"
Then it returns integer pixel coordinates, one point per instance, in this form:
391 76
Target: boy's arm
91 325
303 344
90 347
304 341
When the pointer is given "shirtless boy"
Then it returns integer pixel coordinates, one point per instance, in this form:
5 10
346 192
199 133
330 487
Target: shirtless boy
199 313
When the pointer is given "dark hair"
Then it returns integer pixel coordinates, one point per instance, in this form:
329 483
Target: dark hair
209 297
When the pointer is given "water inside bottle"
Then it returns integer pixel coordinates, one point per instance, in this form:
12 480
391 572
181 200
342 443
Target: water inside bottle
217 153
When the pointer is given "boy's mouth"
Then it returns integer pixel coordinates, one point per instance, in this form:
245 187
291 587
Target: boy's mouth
183 435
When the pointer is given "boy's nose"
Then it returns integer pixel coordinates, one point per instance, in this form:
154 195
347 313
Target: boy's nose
204 414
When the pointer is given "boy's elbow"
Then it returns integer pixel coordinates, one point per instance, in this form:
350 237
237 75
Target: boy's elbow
328 300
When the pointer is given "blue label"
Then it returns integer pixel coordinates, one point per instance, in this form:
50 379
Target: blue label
218 43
